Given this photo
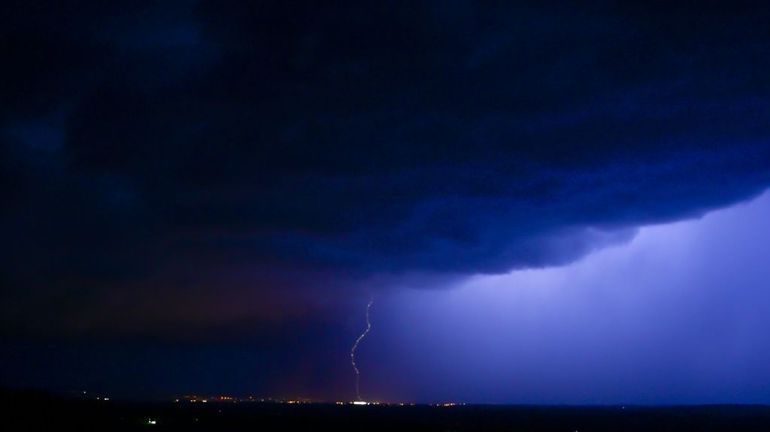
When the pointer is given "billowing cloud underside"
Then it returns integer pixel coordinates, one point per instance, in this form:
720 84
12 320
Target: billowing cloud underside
440 137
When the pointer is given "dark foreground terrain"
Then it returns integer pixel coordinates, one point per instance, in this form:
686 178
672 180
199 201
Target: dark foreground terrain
33 411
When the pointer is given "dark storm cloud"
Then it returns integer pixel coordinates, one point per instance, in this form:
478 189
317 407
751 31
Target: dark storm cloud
171 148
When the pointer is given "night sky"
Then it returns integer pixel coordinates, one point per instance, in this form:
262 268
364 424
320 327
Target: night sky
548 203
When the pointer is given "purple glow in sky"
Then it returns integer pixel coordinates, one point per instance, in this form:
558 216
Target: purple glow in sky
678 315
199 197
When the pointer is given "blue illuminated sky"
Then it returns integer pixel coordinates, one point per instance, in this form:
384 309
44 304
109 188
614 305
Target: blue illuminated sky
677 315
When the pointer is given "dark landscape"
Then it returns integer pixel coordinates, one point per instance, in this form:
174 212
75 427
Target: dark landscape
30 410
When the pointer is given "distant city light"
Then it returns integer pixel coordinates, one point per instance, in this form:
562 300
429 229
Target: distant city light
219 399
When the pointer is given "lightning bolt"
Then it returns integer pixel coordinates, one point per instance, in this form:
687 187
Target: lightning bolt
355 346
